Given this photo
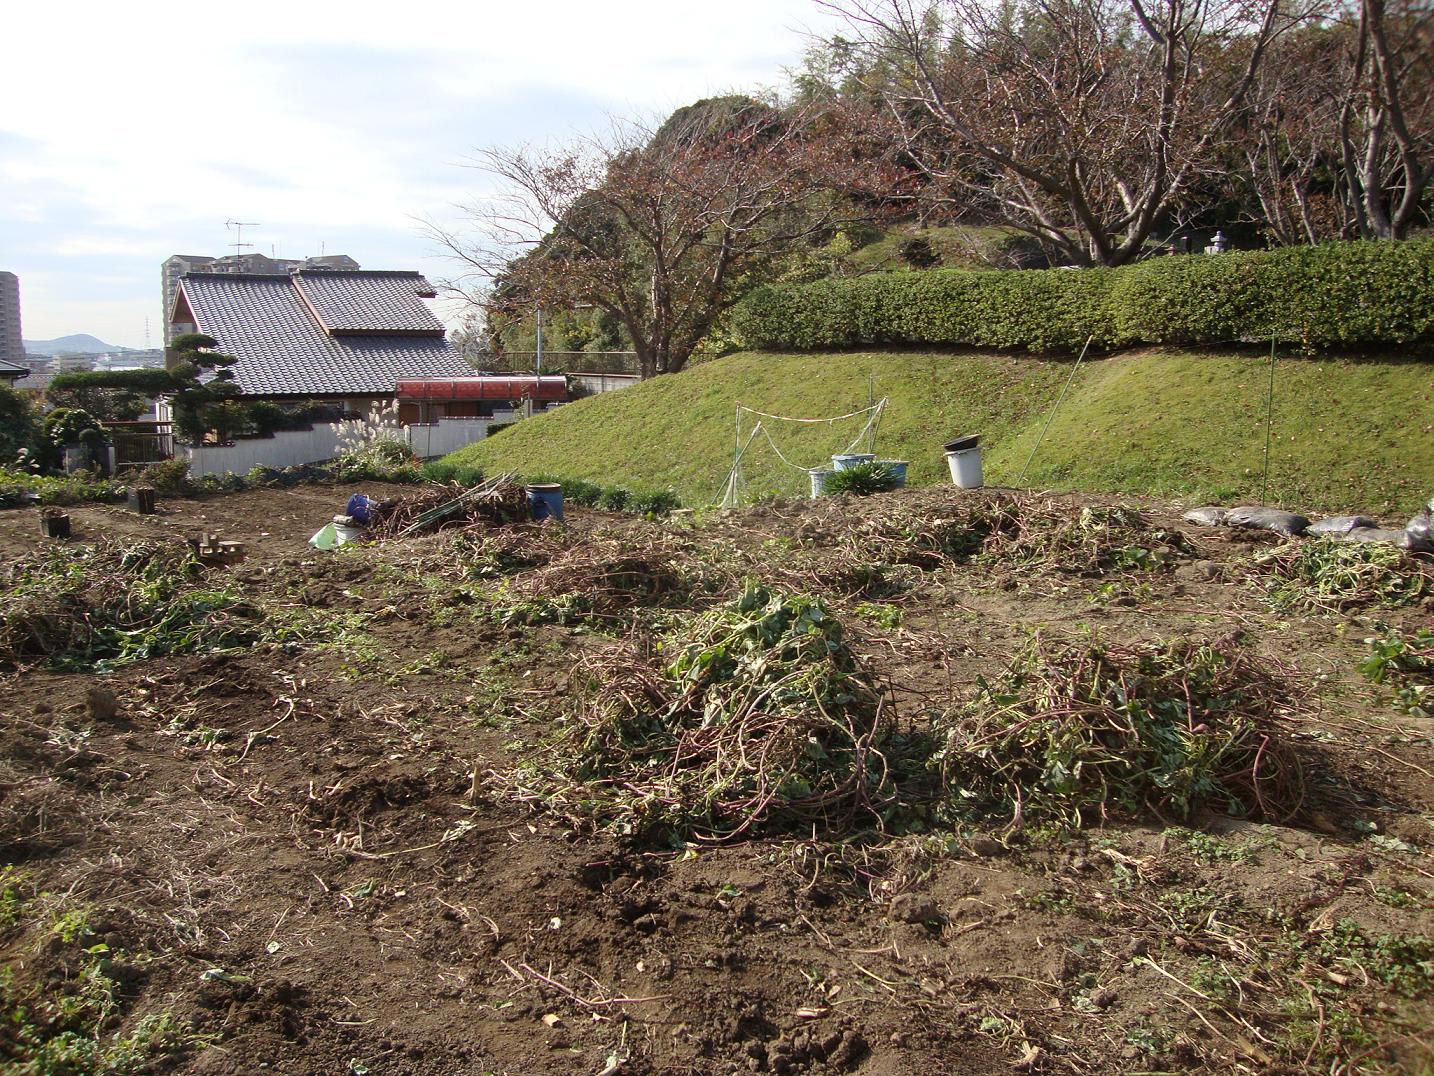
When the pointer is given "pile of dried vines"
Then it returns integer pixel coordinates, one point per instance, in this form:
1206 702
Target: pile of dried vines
1077 730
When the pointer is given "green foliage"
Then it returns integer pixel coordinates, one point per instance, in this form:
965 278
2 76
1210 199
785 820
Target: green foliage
1157 422
862 480
1323 574
1406 662
70 425
169 477
56 489
18 425
266 418
581 492
110 395
653 503
613 499
439 471
1336 295
194 399
113 603
381 459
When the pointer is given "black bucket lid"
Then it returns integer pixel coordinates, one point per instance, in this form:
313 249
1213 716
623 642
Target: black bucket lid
959 444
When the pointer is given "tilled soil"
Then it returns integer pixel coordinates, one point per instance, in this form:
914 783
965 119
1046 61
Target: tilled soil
304 855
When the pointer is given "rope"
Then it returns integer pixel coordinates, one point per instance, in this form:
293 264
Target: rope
787 418
732 488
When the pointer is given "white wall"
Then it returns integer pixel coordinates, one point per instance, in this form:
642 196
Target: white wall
605 382
290 448
445 436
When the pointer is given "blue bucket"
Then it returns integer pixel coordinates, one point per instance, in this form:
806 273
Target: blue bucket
896 467
819 478
841 463
546 500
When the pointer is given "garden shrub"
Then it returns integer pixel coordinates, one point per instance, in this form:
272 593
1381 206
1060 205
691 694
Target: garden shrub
1333 295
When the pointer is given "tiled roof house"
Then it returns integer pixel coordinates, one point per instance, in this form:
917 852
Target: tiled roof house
11 372
318 333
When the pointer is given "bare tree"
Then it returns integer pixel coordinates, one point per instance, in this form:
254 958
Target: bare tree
1386 120
1289 155
1084 123
662 229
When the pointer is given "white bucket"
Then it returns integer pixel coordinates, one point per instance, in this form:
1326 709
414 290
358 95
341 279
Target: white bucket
819 478
966 467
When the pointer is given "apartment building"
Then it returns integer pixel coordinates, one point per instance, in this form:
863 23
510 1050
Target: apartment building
176 265
12 341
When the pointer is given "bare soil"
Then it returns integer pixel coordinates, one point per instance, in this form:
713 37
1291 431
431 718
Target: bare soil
302 849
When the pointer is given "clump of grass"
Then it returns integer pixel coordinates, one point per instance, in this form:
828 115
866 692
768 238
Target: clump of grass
755 717
1407 663
862 480
1325 575
115 602
1080 730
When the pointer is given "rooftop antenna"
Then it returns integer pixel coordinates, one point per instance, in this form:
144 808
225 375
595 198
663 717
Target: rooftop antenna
239 226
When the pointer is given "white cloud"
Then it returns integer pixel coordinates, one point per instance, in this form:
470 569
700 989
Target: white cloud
335 124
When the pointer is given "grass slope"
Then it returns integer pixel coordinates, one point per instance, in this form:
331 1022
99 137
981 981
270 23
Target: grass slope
1347 433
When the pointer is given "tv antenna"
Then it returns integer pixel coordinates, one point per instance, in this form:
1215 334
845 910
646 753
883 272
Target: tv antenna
239 226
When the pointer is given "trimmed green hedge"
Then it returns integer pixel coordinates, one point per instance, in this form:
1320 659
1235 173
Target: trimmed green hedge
1334 295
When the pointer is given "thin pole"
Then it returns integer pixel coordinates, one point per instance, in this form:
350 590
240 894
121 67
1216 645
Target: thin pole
538 362
1052 416
1269 421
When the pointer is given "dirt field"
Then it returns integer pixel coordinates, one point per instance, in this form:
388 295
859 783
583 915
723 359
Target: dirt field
318 852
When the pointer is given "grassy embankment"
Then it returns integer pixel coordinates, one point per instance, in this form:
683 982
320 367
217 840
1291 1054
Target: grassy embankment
1348 434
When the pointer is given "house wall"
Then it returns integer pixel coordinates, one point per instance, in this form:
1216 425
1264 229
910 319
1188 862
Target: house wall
604 382
291 448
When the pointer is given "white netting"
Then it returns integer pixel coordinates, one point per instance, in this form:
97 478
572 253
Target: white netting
755 434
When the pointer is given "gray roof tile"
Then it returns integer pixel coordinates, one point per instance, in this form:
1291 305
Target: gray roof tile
283 350
345 301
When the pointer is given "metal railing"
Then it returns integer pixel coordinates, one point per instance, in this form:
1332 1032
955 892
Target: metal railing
560 362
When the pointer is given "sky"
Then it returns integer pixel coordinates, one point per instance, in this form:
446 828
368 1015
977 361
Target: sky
130 132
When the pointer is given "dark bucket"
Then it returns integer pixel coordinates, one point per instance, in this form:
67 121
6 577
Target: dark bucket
546 500
55 524
141 499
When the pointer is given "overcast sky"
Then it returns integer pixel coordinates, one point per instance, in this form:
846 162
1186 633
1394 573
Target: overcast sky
130 132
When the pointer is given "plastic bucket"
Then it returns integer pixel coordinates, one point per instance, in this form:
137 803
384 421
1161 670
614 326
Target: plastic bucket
141 499
842 463
966 467
896 467
546 500
55 524
819 480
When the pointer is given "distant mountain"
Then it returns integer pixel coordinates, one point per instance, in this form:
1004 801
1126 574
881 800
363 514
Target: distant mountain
78 344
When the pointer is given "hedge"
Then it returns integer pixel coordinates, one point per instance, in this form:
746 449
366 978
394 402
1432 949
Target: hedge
1333 295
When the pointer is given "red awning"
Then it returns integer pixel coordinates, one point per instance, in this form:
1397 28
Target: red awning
484 388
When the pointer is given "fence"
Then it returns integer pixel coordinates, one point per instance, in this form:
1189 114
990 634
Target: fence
291 448
561 362
137 444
